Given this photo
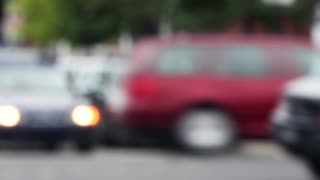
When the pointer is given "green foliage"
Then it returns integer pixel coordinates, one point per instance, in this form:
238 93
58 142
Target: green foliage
80 21
42 21
86 22
207 15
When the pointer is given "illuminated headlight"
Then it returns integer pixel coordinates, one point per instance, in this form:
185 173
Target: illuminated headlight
85 116
9 116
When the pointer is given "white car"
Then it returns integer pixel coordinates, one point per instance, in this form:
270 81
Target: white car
296 121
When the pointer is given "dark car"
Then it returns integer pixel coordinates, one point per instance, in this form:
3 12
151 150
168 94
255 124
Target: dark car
207 89
36 105
296 121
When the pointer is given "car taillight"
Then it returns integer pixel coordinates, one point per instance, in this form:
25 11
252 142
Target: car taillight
142 88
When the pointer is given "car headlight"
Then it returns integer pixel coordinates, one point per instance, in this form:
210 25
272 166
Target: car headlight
9 116
85 116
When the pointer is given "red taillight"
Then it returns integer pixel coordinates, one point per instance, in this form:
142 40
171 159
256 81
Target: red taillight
142 88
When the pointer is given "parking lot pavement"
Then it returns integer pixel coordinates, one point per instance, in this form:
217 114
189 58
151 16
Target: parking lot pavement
253 161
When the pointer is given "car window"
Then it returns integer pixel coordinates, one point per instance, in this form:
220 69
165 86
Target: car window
314 65
291 61
244 61
179 60
307 59
236 61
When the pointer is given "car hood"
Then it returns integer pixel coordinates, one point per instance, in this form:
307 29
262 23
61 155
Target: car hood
40 101
43 110
305 87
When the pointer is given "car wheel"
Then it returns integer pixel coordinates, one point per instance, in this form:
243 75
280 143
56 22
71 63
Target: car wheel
314 166
205 131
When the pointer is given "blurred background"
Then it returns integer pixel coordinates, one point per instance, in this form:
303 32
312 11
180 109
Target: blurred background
171 89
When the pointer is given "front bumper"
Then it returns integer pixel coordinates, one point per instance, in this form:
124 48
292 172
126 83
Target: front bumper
48 134
300 141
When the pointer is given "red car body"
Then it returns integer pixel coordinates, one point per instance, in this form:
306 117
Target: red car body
156 99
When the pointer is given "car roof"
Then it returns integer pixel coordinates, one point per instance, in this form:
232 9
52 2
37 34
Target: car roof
213 39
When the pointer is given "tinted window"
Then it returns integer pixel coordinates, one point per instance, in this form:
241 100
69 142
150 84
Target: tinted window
294 61
179 60
231 61
236 60
241 61
314 66
263 61
307 58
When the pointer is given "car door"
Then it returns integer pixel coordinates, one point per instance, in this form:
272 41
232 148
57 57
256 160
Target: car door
245 76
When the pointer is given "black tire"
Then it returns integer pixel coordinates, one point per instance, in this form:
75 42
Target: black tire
314 167
215 129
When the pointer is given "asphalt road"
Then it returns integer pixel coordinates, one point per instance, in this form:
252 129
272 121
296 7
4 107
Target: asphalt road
253 161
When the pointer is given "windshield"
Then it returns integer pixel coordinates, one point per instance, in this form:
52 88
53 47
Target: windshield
21 80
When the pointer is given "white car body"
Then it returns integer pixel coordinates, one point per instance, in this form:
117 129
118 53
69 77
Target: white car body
306 87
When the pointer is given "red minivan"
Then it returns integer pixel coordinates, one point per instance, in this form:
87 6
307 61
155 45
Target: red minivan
207 89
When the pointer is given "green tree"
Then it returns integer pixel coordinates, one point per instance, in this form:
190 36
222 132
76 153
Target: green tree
85 22
80 21
207 15
42 22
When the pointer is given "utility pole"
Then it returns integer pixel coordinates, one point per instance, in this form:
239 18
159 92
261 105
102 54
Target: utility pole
315 29
168 10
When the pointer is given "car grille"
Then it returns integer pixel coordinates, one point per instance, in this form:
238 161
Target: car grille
304 107
45 119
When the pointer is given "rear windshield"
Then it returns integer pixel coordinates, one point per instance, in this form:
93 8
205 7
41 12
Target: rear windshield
237 60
